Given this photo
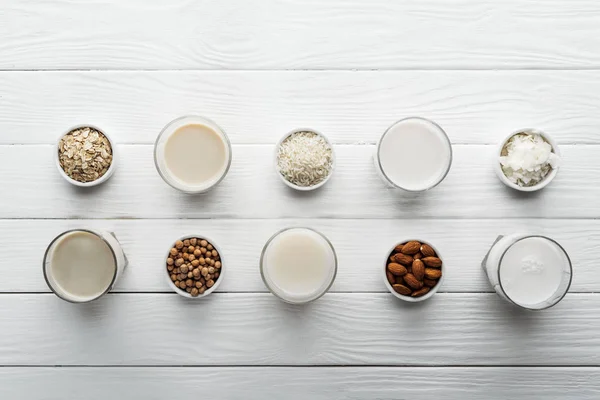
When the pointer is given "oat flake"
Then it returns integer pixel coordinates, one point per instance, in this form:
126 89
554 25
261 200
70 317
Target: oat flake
85 154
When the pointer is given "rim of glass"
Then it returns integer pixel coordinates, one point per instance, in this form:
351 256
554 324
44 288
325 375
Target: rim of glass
444 134
98 236
205 120
570 272
264 279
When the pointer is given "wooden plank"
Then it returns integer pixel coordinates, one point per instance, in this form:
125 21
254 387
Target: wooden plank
296 34
301 383
361 247
259 107
32 188
257 329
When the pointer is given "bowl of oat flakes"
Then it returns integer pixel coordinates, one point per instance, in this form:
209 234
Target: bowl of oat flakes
85 156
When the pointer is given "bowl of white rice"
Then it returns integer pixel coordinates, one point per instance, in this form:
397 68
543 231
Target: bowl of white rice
304 159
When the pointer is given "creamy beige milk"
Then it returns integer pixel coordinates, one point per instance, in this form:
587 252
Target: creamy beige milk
195 154
298 265
82 266
414 154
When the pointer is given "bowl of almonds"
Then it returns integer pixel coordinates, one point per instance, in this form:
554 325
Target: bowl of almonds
85 156
413 270
194 266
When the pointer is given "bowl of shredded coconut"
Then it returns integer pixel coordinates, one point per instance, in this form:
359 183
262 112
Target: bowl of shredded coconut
528 160
304 159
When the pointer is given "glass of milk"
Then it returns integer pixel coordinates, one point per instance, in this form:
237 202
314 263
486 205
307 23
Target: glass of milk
81 265
298 265
532 272
414 154
192 154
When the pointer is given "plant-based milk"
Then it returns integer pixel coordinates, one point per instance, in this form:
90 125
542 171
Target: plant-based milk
298 265
195 154
533 272
192 154
81 266
414 154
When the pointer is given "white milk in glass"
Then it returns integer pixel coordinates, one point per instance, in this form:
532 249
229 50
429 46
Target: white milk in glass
81 265
192 154
298 265
414 154
533 272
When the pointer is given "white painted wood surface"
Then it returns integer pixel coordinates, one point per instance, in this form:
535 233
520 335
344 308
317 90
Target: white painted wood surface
258 329
348 68
299 34
581 383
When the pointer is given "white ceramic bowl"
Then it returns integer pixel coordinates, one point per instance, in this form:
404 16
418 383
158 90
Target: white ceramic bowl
506 181
103 178
408 298
304 188
182 292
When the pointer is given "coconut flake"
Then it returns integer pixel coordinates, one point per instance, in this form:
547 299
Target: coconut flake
527 158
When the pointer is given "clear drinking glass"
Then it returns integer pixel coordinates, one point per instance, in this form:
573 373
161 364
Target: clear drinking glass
120 262
320 289
542 261
441 139
159 156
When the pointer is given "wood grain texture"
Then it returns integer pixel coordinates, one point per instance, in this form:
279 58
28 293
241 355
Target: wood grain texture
297 34
479 107
302 383
33 188
361 247
258 329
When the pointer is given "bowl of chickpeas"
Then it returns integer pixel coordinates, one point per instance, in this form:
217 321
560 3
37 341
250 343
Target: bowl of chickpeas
194 266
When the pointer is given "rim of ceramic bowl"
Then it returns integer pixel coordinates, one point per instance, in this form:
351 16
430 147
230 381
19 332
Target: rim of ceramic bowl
45 261
168 274
290 184
442 177
433 290
546 181
171 181
103 178
264 279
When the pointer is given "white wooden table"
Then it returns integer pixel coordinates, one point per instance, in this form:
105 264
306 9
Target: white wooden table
350 68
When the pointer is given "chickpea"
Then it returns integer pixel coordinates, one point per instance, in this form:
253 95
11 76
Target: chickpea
186 242
179 244
193 241
179 262
195 263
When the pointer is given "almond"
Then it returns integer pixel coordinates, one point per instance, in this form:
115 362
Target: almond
418 269
432 262
397 269
418 256
412 281
432 273
427 250
402 259
411 247
398 248
421 292
400 280
403 290
390 278
429 282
